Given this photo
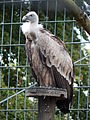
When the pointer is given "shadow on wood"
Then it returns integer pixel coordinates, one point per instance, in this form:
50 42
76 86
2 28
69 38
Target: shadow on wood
47 97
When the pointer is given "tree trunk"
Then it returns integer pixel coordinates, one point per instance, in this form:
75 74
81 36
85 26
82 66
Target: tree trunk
79 15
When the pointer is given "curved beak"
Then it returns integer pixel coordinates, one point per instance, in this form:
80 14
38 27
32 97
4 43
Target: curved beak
25 19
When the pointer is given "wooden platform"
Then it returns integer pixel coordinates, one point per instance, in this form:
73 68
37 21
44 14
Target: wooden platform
46 91
47 97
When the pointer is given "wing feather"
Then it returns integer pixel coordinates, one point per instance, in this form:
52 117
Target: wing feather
54 53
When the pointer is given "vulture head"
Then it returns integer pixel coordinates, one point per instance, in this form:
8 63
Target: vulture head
31 17
30 23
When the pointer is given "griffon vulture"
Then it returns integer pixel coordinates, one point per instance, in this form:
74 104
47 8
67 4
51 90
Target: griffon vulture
49 59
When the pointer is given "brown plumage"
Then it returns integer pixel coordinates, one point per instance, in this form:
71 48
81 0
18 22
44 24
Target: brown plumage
50 62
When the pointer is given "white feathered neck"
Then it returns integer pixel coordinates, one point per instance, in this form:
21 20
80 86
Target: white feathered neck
27 27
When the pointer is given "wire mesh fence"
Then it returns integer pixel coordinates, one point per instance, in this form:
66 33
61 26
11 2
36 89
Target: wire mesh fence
15 72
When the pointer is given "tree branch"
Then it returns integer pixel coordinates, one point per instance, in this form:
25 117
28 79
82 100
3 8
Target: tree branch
79 15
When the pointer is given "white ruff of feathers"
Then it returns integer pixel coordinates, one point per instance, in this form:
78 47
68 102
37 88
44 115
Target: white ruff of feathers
27 27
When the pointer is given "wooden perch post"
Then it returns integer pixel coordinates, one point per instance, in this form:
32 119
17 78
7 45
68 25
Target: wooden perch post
79 15
46 100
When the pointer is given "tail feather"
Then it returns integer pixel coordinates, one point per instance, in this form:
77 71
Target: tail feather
63 105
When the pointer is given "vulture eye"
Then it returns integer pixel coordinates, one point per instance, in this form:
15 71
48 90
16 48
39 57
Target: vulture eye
31 15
